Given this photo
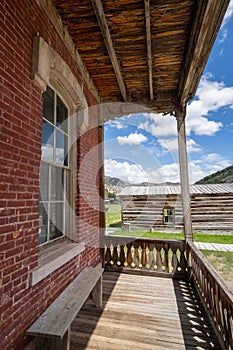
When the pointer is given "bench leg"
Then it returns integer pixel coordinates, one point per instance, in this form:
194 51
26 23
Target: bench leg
44 343
97 293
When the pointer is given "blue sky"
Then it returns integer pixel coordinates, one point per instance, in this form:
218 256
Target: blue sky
144 147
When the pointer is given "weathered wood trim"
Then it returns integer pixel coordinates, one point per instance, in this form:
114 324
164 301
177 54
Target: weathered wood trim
149 51
51 13
99 11
206 24
53 261
184 176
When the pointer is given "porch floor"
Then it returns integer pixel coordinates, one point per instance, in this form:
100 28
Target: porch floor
141 312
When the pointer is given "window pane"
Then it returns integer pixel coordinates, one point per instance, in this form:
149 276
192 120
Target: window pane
61 148
48 104
62 115
44 182
56 220
57 184
43 222
47 141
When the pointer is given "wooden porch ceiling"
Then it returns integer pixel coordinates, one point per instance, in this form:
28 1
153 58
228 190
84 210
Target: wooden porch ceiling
149 52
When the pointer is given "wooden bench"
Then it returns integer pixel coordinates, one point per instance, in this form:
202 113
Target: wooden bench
52 328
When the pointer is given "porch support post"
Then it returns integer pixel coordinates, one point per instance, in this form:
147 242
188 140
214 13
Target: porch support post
184 176
101 184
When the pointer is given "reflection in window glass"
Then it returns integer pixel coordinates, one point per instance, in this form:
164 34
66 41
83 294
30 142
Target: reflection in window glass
57 190
43 222
56 221
62 148
54 167
44 182
47 141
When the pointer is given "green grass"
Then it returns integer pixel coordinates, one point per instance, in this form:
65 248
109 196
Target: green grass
198 237
113 215
222 262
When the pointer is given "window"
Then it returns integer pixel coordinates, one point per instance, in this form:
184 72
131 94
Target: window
168 216
54 172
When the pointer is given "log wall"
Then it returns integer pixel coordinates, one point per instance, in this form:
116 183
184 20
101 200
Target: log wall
209 211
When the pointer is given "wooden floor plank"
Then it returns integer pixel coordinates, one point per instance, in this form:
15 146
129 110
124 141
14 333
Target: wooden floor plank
141 312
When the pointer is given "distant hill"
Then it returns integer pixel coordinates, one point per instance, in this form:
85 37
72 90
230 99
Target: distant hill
222 176
114 181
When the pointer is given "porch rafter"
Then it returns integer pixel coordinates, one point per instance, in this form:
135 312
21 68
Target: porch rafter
99 11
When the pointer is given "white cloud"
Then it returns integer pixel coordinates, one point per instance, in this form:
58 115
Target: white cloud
159 125
228 14
211 96
133 173
224 34
166 173
207 165
131 139
192 146
169 144
116 124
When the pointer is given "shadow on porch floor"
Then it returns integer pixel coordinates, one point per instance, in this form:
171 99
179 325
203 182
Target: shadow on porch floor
142 312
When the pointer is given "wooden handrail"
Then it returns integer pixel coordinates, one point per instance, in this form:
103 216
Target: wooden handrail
215 294
150 256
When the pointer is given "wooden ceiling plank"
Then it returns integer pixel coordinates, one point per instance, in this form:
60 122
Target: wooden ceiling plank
99 11
149 50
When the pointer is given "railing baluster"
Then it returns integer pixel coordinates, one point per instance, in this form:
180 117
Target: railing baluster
174 259
183 261
158 257
122 255
115 255
129 254
166 261
108 256
143 256
151 256
136 258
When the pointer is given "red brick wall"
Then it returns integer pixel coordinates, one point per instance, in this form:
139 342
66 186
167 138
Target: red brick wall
20 152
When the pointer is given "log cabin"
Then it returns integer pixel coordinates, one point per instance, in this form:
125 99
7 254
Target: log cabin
159 207
66 68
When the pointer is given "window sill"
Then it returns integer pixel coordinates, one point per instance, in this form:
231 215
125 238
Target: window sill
53 260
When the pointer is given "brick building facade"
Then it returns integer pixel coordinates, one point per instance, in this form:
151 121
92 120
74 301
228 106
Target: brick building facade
35 56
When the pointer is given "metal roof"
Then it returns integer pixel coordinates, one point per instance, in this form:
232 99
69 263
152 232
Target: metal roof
152 190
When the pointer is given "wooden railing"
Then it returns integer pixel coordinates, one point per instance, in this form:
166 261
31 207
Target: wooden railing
215 294
149 256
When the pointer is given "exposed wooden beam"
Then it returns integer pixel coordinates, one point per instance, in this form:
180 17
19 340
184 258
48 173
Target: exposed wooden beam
99 11
206 24
149 51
